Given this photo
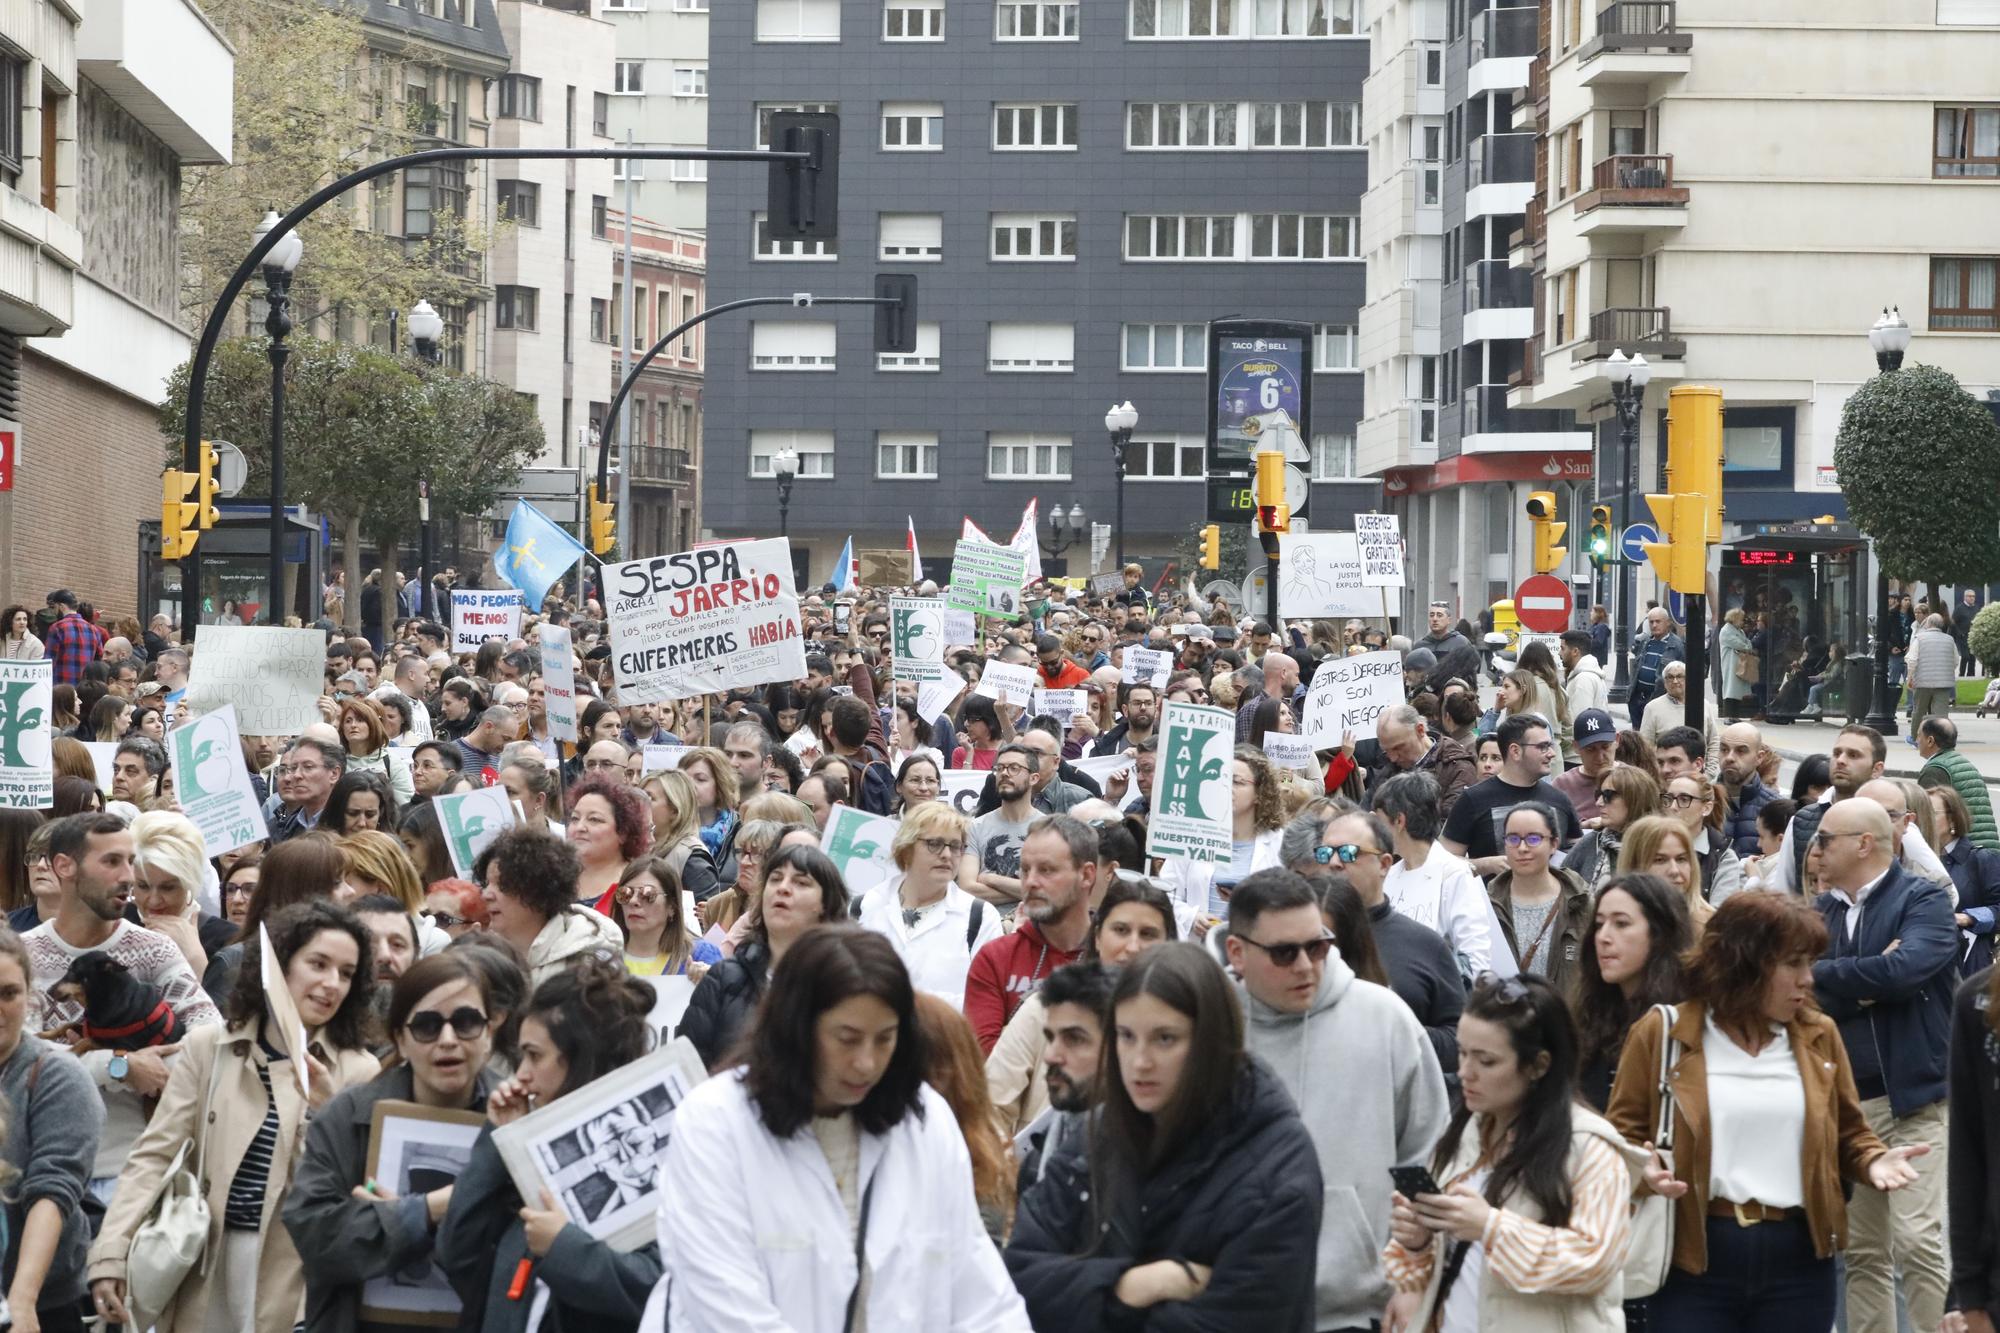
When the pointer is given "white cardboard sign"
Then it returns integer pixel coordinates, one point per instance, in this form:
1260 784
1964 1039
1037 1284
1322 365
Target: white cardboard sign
273 676
695 622
479 614
1349 694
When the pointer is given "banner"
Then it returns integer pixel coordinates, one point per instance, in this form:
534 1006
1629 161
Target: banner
27 740
471 821
1191 808
709 619
559 681
1349 694
1062 705
1319 576
1007 682
1381 550
916 638
272 676
212 783
961 787
479 614
1151 665
658 758
986 579
1287 751
1102 768
860 844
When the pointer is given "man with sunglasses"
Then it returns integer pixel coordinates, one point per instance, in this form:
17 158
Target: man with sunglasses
1357 1063
1596 740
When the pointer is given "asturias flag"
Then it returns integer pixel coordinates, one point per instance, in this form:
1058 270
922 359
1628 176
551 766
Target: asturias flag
537 553
846 569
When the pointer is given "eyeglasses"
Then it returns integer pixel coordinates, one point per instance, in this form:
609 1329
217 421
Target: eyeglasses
1681 800
442 920
1822 837
599 765
1010 768
1528 840
427 1025
638 895
1546 747
1347 853
1606 795
1284 955
235 890
942 846
300 770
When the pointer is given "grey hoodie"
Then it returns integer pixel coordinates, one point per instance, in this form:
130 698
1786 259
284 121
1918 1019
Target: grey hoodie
53 1120
1368 1088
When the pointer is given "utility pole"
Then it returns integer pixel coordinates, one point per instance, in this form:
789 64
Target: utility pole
625 527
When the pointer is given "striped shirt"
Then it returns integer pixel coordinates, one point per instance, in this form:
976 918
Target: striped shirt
245 1209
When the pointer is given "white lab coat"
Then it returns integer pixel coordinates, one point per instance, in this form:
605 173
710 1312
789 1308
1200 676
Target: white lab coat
1188 881
754 1237
934 950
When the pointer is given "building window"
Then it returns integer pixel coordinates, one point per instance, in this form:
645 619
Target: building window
1036 21
798 20
1157 347
814 448
1333 348
1154 125
912 237
1030 236
691 6
913 127
1302 236
1968 141
600 209
690 80
925 358
637 6
520 201
628 78
1043 125
1303 124
520 97
770 249
1267 19
906 455
1963 295
514 308
687 169
419 195
1031 347
1023 456
13 75
1182 18
688 311
912 21
1333 458
1176 458
792 344
1151 236
766 109
600 320
600 115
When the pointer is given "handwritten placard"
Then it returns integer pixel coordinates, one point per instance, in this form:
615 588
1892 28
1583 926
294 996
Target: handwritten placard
273 676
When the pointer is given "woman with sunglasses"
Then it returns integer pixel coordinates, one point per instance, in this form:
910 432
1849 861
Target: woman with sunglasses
659 940
935 925
1624 796
1694 800
1543 909
356 1227
1661 845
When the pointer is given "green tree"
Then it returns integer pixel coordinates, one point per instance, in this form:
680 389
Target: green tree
362 428
1917 456
1984 636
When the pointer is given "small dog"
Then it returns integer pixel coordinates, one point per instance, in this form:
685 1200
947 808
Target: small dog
119 1011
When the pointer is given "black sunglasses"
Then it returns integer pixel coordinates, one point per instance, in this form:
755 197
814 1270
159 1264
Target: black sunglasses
1284 955
1605 795
427 1025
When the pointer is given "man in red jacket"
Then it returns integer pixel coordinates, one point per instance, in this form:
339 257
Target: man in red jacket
1058 879
1057 671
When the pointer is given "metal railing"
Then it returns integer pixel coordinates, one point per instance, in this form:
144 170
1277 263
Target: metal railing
1639 25
1633 326
1504 33
1500 159
653 462
1634 171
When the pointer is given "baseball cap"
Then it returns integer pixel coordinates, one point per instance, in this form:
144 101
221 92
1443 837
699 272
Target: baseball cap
1595 727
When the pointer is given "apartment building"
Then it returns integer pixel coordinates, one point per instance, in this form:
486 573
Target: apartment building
1079 190
669 278
658 94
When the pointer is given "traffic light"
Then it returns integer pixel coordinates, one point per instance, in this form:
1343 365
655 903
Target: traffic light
603 523
178 530
896 317
1600 536
1542 513
205 486
802 198
1273 514
1694 451
1211 547
1680 558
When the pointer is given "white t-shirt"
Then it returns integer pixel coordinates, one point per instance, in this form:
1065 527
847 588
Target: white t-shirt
1446 896
1757 1111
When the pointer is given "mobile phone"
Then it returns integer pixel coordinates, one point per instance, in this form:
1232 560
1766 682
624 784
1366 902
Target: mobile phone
1414 1180
843 614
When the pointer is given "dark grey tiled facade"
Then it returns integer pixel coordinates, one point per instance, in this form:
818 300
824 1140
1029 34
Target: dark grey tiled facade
1099 291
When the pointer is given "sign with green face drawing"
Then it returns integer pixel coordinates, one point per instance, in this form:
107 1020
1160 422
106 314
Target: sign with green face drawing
27 769
916 638
471 820
212 783
1191 784
860 844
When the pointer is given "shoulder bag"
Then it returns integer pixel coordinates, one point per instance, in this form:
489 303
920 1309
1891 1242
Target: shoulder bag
174 1237
1652 1252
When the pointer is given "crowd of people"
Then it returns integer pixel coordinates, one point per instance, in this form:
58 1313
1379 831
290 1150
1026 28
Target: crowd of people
1506 1017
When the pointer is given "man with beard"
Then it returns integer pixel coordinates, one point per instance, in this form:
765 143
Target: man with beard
1058 878
394 932
1142 714
1455 654
1856 758
1074 998
992 865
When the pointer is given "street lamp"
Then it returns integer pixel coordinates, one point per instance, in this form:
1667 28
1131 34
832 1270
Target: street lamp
1889 336
1628 394
1065 529
427 333
1121 421
279 264
785 467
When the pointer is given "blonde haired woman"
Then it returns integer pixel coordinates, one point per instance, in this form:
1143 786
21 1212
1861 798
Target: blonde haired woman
677 833
715 794
1696 802
170 876
1661 845
935 925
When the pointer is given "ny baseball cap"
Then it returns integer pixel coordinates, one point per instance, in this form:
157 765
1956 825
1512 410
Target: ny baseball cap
1595 727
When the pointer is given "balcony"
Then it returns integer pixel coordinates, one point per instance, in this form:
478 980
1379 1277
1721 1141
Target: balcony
1500 174
1487 413
1632 193
1533 233
1503 45
1632 329
1494 284
661 466
1637 42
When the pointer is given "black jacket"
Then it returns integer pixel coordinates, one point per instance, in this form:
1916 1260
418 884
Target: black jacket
722 1005
1242 1196
989 795
1972 1164
1975 872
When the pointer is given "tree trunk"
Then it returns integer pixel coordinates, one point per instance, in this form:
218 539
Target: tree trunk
350 561
392 603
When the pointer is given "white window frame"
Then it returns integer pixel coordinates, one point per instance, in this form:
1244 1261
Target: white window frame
628 78
910 238
1181 332
924 443
1190 455
1051 20
761 122
621 165
688 170
789 252
1240 20
793 344
1338 447
691 80
1048 457
1176 119
1294 126
923 20
1335 349
1177 20
796 31
1038 227
1022 347
690 6
1309 231
928 358
627 6
815 449
923 119
1019 127
1170 236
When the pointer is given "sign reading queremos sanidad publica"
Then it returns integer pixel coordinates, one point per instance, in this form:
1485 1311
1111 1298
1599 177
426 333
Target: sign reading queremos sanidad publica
709 619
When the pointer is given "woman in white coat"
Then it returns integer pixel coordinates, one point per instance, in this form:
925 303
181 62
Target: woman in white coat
935 925
1257 815
824 1180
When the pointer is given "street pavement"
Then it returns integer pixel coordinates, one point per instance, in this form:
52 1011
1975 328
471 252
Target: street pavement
1978 740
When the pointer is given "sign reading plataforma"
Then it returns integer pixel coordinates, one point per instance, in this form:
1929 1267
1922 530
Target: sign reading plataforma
1191 814
709 619
212 783
27 767
1348 694
860 844
916 636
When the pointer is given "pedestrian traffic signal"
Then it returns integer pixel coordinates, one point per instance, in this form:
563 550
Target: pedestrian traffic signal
1273 514
1694 451
1547 532
178 529
802 200
1600 536
603 523
1211 547
205 511
1680 557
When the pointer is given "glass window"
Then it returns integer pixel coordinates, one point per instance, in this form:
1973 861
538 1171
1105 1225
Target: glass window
1046 125
514 308
814 448
1016 456
792 344
906 455
1333 458
1968 141
798 20
912 126
1963 294
520 97
1026 236
1036 20
519 201
913 21
1158 347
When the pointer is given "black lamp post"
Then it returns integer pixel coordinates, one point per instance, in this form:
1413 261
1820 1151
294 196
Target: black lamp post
1889 336
1628 395
1065 529
1121 421
279 264
785 467
427 332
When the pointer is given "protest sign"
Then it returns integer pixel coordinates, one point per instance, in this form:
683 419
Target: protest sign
479 614
961 787
27 740
859 843
1102 768
961 628
272 676
1348 694
1319 575
709 619
986 579
671 996
1191 810
655 758
1151 665
1007 682
102 756
471 820
1107 585
1062 705
936 696
1381 550
559 681
212 783
1288 751
282 1011
916 637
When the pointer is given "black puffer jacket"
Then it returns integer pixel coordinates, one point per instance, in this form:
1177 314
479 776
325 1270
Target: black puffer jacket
1243 1197
723 1004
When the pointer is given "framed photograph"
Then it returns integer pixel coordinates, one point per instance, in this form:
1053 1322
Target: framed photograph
415 1149
597 1150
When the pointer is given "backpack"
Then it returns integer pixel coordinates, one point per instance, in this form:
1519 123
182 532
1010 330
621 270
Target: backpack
871 783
